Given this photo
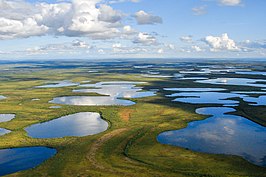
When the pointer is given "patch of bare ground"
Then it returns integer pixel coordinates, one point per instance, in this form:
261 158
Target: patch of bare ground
125 114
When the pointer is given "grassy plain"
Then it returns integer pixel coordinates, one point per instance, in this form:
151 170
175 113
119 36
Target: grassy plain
129 147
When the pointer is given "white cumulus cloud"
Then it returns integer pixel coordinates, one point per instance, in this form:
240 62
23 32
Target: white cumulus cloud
196 48
90 18
160 51
144 18
218 43
108 14
80 44
145 39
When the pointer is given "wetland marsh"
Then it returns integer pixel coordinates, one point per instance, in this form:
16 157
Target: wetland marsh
115 122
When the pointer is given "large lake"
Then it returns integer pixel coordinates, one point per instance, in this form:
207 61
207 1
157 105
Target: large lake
222 133
91 101
115 91
235 81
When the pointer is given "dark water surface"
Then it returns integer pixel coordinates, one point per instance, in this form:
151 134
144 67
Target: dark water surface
17 159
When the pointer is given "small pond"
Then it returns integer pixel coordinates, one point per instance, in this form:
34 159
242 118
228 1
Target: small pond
2 97
55 107
222 133
79 124
17 159
4 131
6 117
58 84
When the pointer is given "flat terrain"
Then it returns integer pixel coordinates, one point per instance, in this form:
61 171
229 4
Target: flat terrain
129 146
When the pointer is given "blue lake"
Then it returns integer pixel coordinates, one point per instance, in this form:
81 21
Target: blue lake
222 133
156 76
235 81
58 84
17 159
194 89
256 101
192 78
118 91
205 97
6 117
91 101
114 91
252 73
142 66
216 96
4 131
79 124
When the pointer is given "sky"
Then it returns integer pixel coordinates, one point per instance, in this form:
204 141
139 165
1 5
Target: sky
90 29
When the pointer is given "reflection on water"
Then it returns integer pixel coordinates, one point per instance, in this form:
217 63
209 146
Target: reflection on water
152 72
17 159
194 89
249 92
2 97
209 96
117 89
114 83
192 78
195 72
205 97
93 71
214 71
113 91
91 101
55 107
257 101
234 81
4 131
142 66
156 76
221 134
35 99
58 84
6 117
79 124
253 73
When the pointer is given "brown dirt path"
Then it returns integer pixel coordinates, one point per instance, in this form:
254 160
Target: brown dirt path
91 155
